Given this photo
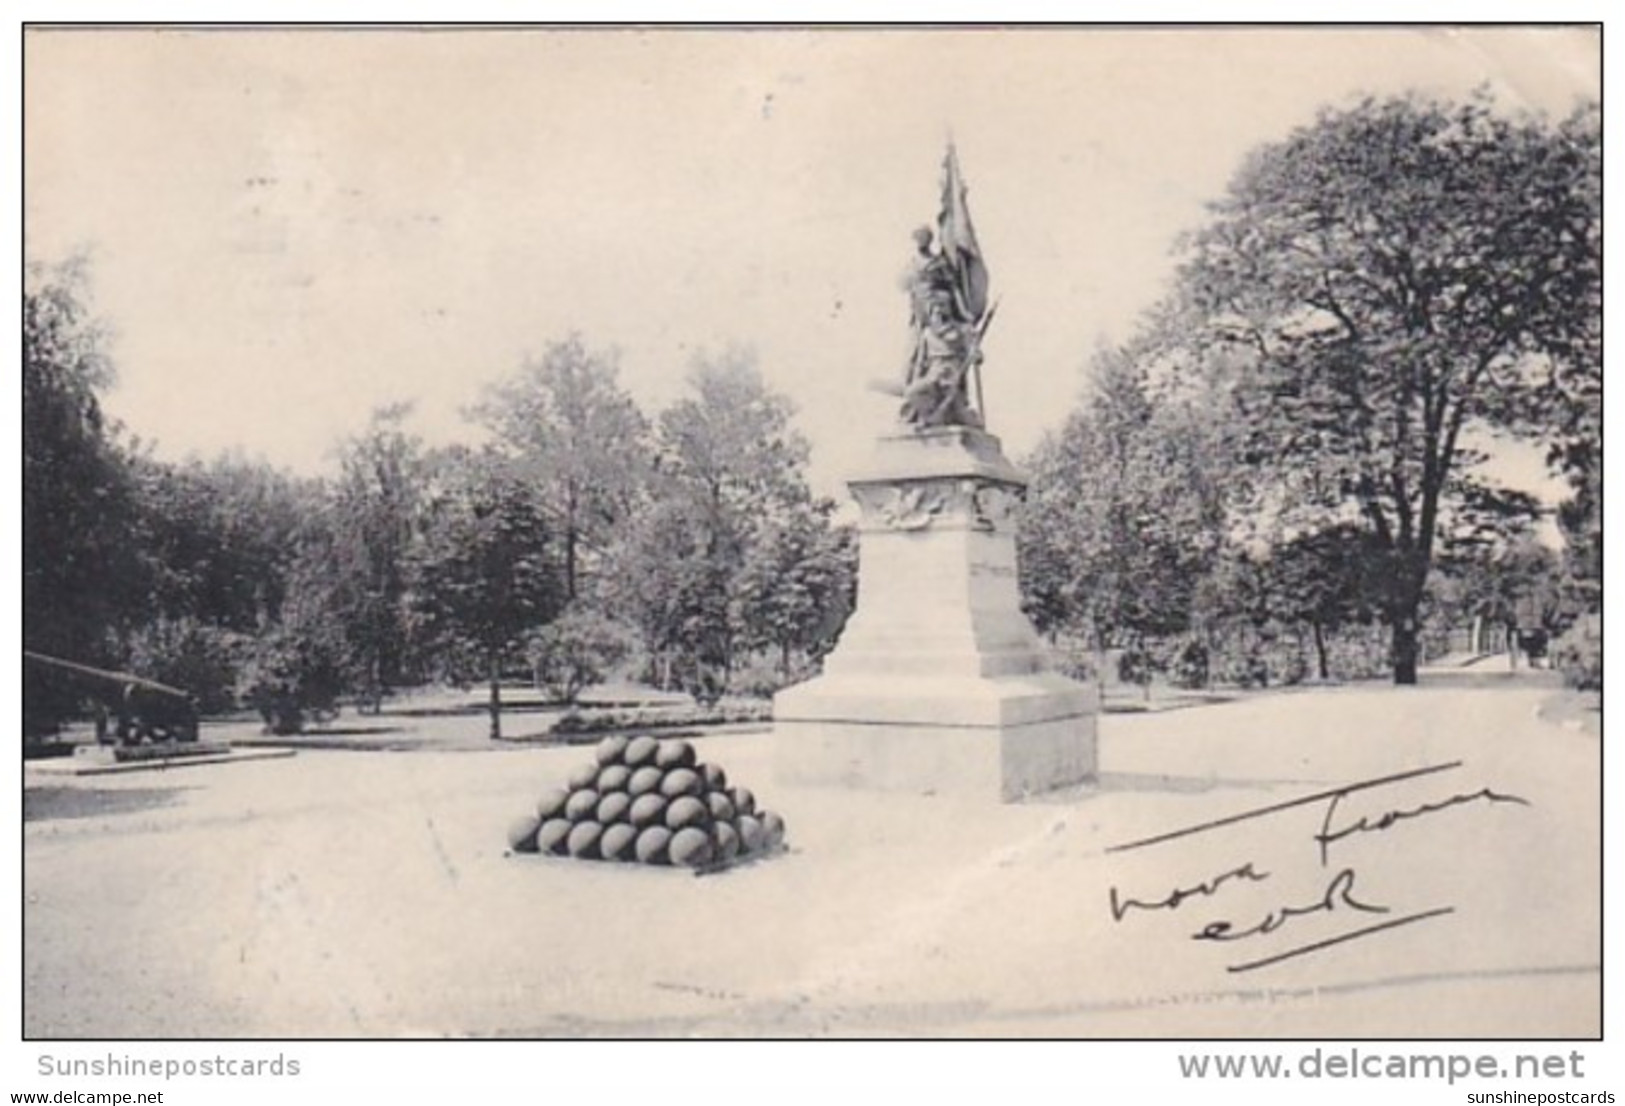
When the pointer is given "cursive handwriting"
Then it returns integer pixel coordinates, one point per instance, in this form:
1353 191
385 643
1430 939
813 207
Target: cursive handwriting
1120 907
1339 892
1384 821
1276 808
1338 898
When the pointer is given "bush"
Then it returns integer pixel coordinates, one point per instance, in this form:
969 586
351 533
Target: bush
292 675
1136 665
1188 667
579 648
1242 665
1578 655
581 721
1291 667
198 658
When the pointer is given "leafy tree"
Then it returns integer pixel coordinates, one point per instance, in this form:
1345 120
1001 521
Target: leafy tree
1571 394
1323 580
203 658
1399 274
675 592
731 448
299 664
728 460
375 507
1124 514
1517 584
482 567
219 539
579 648
795 586
82 578
565 422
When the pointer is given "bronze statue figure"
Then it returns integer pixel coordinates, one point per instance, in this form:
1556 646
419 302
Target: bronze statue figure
949 315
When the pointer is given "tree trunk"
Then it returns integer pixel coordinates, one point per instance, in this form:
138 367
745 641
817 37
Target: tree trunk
1405 649
570 562
494 667
1320 652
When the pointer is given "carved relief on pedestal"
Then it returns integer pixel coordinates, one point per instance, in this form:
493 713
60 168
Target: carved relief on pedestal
900 506
993 506
920 504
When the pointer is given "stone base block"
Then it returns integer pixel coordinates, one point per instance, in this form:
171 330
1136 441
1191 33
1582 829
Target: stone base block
1029 736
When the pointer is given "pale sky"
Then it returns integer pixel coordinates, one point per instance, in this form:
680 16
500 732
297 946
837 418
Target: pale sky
289 229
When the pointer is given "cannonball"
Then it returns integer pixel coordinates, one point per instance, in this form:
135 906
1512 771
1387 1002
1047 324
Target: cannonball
744 801
613 777
522 834
750 833
685 810
674 754
651 845
722 807
552 804
617 842
585 776
583 840
611 749
640 751
715 779
644 780
552 836
581 804
724 842
612 808
691 847
680 781
772 830
646 810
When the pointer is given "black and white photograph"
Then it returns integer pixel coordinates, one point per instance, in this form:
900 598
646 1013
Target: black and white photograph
815 532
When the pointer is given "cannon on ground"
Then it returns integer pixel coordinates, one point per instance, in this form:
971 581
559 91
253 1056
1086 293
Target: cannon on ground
131 709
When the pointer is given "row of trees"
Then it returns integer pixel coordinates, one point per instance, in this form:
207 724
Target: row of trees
1289 447
582 537
1293 440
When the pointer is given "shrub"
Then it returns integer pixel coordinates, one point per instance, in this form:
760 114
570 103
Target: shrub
198 658
578 648
1291 667
290 676
1136 665
585 721
1578 655
1242 665
1188 667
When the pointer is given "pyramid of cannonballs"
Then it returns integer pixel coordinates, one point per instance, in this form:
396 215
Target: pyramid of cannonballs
651 802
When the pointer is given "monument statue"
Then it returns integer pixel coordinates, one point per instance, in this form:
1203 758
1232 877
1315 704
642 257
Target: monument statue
939 683
948 314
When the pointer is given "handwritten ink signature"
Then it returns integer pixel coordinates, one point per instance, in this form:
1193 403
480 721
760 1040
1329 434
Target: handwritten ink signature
1121 907
1337 897
1327 836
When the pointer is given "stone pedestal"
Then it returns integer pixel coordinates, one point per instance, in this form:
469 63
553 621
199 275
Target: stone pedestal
939 682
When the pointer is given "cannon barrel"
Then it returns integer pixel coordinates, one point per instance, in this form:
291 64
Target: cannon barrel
146 709
123 679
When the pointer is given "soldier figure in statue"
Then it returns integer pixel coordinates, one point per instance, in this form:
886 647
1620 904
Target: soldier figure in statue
949 315
936 392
